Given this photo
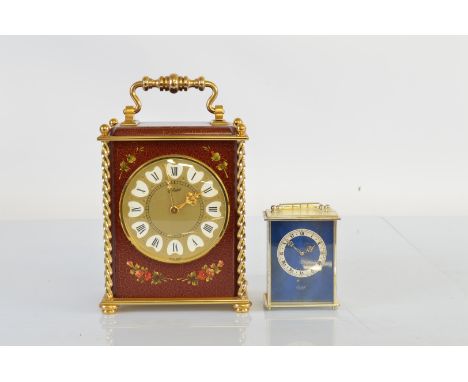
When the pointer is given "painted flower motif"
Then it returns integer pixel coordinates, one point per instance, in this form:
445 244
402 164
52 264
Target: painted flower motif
143 275
201 275
191 279
210 272
131 158
124 166
148 276
222 164
205 273
158 278
139 273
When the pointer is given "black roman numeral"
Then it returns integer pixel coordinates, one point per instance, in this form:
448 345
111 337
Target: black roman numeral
136 209
193 176
208 228
174 171
194 242
141 228
142 191
208 190
213 208
155 176
155 242
175 247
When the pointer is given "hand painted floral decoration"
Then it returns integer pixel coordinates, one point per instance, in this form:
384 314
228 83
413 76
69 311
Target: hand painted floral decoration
194 278
125 165
222 163
205 274
143 275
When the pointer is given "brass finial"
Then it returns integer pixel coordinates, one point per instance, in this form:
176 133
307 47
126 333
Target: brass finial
241 129
104 129
113 122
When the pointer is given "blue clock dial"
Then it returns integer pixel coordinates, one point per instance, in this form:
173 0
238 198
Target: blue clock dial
302 253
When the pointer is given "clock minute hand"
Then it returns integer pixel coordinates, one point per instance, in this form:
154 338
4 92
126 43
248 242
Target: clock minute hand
172 208
291 244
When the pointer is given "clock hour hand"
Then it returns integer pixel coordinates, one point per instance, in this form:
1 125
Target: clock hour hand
190 199
310 248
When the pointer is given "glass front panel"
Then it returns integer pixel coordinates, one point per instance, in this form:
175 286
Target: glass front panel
302 261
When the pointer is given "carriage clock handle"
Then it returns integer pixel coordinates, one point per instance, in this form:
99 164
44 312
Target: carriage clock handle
174 84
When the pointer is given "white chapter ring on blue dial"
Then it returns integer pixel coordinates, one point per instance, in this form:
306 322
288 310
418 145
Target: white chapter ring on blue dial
305 254
174 209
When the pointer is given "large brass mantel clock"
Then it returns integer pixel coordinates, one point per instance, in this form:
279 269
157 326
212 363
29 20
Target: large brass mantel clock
174 207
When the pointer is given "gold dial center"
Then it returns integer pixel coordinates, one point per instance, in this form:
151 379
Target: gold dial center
167 211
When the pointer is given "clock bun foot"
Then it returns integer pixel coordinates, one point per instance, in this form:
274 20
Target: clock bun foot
241 308
109 309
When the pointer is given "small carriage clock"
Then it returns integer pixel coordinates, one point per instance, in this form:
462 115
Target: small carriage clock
301 256
174 207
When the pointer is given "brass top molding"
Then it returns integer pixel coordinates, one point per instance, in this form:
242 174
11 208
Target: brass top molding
106 136
112 138
301 211
174 83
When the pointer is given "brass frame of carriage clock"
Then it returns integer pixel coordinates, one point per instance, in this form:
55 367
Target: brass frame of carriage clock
323 213
174 83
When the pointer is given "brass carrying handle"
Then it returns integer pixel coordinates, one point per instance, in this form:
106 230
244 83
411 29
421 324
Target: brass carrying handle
174 84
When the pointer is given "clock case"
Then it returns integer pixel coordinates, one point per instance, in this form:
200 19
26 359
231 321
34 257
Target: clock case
128 145
296 213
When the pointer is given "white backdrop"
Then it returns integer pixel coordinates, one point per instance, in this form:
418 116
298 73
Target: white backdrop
371 125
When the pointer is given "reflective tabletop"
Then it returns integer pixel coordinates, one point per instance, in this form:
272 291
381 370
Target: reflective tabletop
401 281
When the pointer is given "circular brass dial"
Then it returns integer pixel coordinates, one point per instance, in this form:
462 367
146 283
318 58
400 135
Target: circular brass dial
174 209
302 253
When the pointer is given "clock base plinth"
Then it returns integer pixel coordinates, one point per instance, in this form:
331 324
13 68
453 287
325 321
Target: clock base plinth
110 306
242 307
107 306
109 309
298 304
